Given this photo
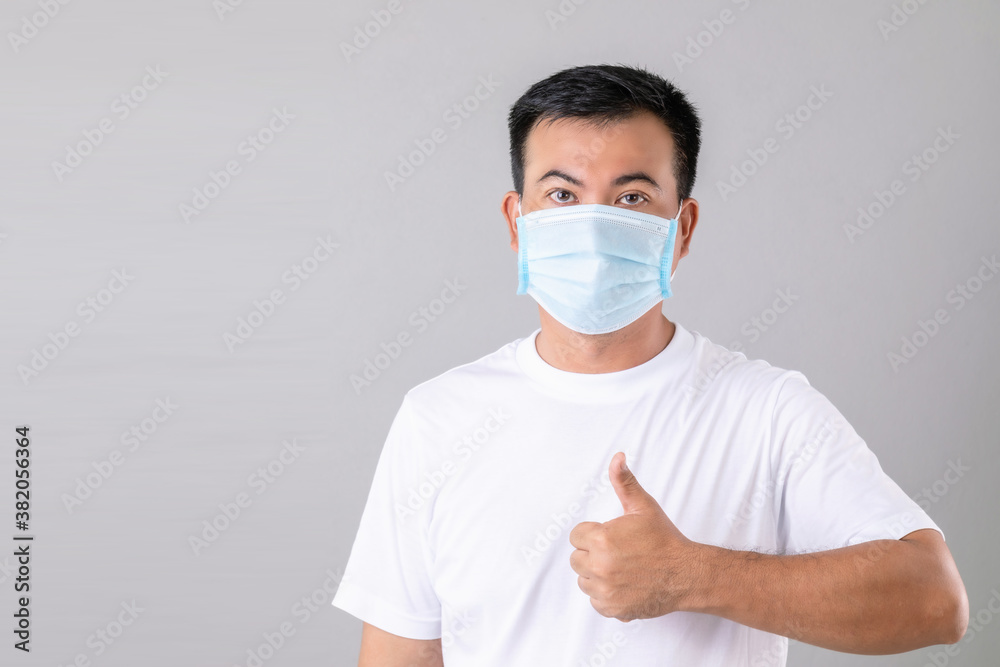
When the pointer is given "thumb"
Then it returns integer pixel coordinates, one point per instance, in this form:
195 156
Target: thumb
632 496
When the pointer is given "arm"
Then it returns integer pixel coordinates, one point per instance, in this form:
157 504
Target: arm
387 578
878 597
383 649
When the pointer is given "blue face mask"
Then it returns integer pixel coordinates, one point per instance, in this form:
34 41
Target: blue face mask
595 268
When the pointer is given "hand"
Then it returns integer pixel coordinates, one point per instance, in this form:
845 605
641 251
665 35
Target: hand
638 565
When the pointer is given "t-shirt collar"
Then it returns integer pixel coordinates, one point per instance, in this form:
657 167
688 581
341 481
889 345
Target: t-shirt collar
662 369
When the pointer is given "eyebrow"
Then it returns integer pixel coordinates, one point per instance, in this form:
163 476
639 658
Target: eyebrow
624 179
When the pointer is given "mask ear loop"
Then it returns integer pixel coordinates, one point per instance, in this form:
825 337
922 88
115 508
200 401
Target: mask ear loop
678 219
522 257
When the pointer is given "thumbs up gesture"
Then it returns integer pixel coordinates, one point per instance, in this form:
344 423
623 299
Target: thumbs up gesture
638 565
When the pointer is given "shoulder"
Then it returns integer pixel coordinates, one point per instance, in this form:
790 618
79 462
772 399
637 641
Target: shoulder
719 369
465 381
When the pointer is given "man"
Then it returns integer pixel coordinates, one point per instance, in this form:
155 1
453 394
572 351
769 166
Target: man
503 526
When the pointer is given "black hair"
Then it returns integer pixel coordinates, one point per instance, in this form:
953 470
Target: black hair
605 95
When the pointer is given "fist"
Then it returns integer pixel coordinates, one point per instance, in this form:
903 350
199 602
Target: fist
638 565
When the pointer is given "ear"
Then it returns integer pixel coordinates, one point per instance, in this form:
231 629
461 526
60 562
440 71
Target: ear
686 225
508 206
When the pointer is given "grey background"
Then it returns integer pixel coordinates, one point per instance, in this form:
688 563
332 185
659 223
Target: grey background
162 336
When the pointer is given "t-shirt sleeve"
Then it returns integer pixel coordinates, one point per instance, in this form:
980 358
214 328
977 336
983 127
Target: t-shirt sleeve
830 490
387 580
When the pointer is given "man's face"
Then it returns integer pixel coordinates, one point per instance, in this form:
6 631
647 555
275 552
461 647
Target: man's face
629 165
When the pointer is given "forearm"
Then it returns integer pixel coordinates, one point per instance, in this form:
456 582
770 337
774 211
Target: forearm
383 649
878 597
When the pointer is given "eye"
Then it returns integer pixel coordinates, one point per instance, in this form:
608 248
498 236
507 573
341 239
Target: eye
561 196
632 198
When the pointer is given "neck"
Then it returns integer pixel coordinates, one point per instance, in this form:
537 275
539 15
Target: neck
628 347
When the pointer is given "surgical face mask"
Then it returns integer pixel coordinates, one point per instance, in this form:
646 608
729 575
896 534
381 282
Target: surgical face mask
595 268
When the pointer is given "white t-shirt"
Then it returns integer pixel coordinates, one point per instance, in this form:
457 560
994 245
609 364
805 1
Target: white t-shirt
488 466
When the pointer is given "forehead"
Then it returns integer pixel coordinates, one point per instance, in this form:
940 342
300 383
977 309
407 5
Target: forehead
641 142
